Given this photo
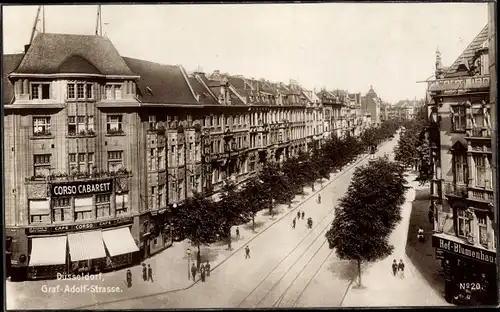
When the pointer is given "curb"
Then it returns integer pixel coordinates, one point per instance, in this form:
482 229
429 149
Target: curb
239 248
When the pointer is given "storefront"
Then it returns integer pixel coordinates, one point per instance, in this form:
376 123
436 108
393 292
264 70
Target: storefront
157 231
79 248
469 271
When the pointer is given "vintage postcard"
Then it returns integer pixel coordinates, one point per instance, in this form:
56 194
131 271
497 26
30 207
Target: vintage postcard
274 155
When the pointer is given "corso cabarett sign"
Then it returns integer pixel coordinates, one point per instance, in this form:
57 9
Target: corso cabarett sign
81 188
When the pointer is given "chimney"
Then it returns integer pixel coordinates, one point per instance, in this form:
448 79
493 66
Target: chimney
26 47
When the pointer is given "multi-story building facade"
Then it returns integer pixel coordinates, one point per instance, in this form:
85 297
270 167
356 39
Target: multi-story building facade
461 186
101 150
371 104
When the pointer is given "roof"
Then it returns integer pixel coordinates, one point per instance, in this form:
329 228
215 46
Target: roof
168 83
9 63
201 90
468 54
63 53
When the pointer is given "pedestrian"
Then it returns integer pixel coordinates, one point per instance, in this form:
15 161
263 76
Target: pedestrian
207 268
298 214
202 273
238 232
394 267
401 268
150 273
293 223
129 278
319 198
303 214
193 271
247 252
144 272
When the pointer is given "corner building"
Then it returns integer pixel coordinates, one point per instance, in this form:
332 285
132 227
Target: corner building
101 150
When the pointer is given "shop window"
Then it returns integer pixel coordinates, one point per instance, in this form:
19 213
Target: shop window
161 158
83 208
460 168
40 91
114 123
458 118
480 170
121 204
61 209
71 125
115 160
39 211
41 165
103 207
483 229
464 223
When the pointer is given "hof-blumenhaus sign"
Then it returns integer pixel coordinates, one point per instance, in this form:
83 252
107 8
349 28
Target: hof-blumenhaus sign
81 188
463 250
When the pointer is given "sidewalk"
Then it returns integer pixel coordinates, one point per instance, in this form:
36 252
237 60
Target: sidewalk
422 254
170 268
380 287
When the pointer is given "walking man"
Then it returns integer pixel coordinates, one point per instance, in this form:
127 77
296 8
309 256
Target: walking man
207 268
193 271
298 214
144 272
394 267
247 252
293 223
303 214
401 268
150 274
238 232
319 198
202 273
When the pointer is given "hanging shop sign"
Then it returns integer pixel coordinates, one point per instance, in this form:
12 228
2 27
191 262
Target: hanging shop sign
44 230
81 188
463 250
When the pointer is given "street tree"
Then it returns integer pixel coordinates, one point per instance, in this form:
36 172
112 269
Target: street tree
368 212
200 221
231 209
255 198
275 184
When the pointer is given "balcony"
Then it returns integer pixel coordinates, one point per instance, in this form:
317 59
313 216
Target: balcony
460 84
479 132
483 195
455 190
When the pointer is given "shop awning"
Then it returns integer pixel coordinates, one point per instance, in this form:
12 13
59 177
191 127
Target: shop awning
119 241
48 251
86 246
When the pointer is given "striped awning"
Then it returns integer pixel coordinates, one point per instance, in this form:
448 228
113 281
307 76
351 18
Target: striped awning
48 251
86 246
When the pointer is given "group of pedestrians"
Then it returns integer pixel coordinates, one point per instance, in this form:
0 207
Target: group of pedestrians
300 215
147 274
398 268
204 271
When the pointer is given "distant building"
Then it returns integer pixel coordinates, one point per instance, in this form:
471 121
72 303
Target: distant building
371 104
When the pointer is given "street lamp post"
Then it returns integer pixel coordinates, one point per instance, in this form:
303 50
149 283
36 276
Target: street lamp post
188 253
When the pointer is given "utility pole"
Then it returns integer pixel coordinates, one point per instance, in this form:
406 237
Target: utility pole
43 19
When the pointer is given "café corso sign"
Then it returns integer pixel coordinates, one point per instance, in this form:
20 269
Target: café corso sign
78 227
81 188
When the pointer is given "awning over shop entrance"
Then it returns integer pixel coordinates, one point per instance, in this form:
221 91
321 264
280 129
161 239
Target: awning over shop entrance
119 241
48 251
86 246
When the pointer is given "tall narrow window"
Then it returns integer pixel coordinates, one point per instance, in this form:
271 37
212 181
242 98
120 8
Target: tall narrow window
61 209
121 204
80 91
71 91
71 125
152 159
109 92
161 195
89 91
161 158
460 169
483 229
480 170
80 124
103 207
72 162
82 166
90 123
90 161
464 224
459 122
152 122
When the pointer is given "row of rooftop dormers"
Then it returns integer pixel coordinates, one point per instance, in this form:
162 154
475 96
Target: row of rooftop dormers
67 55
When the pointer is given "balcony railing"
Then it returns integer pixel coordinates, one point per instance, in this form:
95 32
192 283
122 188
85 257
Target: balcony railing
482 195
467 83
456 190
479 133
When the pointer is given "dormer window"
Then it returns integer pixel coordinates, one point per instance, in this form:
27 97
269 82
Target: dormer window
113 92
40 91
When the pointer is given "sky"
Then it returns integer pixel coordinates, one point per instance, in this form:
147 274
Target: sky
348 46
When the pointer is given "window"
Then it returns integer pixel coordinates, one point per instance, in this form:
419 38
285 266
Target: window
90 123
154 197
161 195
40 91
81 163
90 161
61 209
71 125
197 182
41 164
458 118
161 158
460 169
152 121
114 123
83 208
80 124
39 211
114 92
228 121
464 224
41 125
89 91
483 229
480 170
214 121
71 91
103 206
152 159
115 160
121 204
197 151
190 152
180 189
80 90
72 162
191 181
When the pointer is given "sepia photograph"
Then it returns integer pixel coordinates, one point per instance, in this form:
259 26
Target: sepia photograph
249 155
